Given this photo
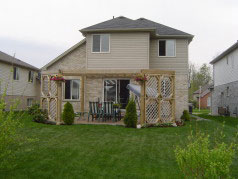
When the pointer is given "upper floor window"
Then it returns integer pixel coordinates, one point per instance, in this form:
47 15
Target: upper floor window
166 48
72 88
30 76
101 43
15 73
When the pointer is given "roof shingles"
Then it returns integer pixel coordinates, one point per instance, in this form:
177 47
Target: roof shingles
124 23
12 60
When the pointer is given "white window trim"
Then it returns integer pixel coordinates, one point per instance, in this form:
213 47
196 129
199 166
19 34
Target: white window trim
165 49
109 50
18 73
63 91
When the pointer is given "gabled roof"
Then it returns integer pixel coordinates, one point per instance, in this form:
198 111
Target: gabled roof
63 54
226 52
124 23
14 61
204 90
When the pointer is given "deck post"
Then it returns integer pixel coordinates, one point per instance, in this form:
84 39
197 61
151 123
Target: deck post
173 98
142 103
82 94
59 101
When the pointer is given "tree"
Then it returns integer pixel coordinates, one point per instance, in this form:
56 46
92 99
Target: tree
199 77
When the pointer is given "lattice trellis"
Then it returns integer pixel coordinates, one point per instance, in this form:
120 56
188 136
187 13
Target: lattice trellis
49 98
53 109
45 81
159 98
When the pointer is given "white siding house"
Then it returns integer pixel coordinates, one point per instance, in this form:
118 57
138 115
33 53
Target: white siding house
18 81
225 74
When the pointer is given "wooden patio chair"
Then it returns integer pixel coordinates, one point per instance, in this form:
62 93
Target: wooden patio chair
109 112
94 110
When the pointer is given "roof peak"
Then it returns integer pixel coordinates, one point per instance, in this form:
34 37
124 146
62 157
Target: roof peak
124 23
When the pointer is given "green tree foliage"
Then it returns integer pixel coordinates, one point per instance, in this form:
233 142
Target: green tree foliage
201 158
10 139
130 119
199 77
68 114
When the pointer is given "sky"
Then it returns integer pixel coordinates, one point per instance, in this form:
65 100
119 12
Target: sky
37 31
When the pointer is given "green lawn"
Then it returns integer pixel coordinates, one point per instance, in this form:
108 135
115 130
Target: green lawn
100 151
202 111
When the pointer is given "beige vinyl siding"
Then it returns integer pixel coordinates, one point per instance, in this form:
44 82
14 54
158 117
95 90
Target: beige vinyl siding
17 87
127 50
179 63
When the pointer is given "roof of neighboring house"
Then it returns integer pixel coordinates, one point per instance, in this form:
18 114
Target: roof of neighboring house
124 23
204 90
226 52
63 54
14 61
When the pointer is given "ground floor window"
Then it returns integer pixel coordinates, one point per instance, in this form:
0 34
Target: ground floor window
29 102
115 90
71 90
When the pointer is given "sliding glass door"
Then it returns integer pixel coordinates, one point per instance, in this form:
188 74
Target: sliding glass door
115 90
110 91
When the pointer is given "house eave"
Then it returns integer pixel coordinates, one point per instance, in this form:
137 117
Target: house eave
63 54
226 52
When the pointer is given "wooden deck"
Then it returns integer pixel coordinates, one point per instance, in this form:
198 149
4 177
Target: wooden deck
97 122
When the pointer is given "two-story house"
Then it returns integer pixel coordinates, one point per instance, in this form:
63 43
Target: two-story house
225 76
18 81
122 46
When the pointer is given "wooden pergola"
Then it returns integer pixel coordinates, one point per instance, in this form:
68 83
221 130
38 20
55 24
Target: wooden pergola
154 76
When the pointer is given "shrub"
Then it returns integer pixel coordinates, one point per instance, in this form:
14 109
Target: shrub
31 110
199 159
38 115
68 114
130 119
185 115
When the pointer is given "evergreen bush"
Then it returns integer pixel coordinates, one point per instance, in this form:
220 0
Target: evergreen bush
130 119
68 114
185 115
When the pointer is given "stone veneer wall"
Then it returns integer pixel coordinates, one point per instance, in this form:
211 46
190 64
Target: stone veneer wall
93 90
73 61
12 99
181 94
228 100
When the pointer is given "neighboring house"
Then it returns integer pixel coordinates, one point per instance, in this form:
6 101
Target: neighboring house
204 95
225 75
18 80
126 46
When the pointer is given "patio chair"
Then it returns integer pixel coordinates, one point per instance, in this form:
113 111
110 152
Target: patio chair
94 110
109 112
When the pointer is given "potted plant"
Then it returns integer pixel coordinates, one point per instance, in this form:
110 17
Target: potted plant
57 78
141 78
117 106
